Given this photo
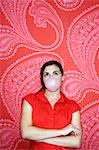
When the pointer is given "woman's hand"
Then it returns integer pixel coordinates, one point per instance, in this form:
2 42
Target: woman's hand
67 130
76 131
70 129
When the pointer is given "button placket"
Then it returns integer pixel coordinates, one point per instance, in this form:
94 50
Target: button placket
51 119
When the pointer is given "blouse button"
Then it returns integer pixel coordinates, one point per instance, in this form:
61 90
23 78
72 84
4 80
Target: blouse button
51 118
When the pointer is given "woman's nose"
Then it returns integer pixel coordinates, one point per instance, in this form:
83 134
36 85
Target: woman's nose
51 75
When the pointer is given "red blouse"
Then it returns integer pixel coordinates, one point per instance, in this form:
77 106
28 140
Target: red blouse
44 116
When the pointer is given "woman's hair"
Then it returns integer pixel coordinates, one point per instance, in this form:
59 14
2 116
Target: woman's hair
49 63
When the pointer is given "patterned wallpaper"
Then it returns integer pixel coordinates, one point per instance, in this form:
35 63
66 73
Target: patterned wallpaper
34 31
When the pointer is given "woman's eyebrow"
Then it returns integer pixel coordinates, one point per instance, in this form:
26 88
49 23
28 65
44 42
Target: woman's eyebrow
48 71
55 71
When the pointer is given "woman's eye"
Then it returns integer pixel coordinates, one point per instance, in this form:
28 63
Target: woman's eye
45 74
56 73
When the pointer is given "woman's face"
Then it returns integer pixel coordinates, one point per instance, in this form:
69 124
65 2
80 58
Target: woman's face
52 77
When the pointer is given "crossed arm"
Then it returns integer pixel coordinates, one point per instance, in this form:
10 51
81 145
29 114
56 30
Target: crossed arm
58 137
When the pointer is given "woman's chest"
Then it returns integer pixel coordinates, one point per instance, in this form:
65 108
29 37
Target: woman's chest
46 117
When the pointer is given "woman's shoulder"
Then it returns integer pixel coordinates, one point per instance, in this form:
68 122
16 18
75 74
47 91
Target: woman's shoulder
72 103
29 96
32 96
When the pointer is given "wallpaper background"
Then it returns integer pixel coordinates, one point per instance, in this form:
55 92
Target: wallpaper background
34 31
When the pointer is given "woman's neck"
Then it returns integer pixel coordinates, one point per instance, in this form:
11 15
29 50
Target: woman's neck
52 97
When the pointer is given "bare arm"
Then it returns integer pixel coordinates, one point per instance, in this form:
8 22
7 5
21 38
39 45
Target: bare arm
67 141
31 132
73 140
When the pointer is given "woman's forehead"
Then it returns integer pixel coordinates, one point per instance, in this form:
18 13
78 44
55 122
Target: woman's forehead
51 68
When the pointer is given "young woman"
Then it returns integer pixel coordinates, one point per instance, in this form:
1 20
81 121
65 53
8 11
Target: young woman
49 119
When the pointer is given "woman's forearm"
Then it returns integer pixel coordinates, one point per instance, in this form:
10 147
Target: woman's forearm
65 141
35 133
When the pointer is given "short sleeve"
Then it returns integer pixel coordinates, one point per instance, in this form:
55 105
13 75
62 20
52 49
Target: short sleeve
75 107
30 99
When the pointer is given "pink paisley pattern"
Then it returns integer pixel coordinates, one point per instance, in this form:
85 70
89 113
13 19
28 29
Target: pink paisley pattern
83 41
18 34
68 5
9 135
90 124
11 130
22 76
